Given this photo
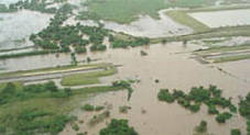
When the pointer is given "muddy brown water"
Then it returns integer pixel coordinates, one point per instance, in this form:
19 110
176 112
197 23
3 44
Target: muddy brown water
171 64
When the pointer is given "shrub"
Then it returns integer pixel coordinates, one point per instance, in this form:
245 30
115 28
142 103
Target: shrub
98 47
165 95
99 118
212 109
235 132
202 128
88 107
124 109
222 117
183 102
195 107
99 108
75 127
118 127
80 49
199 94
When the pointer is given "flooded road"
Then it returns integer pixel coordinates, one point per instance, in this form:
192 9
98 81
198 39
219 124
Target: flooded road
171 64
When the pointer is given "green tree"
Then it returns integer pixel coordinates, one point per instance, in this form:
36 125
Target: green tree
118 127
51 86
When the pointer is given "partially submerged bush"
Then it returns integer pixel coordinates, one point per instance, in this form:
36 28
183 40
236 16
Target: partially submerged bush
164 95
235 132
89 107
222 117
99 118
118 127
124 109
202 128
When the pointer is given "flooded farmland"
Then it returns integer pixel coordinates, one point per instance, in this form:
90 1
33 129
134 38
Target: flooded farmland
171 64
225 18
145 26
172 74
17 27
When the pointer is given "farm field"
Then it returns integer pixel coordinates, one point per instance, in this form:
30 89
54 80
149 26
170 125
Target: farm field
125 11
225 18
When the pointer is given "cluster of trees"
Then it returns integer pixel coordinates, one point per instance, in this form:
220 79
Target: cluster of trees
244 109
58 37
35 5
118 127
28 119
119 43
211 97
55 37
222 117
5 9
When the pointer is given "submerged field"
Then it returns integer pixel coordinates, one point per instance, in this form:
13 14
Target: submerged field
93 50
223 18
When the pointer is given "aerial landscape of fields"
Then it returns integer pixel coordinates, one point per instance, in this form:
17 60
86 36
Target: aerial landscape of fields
124 67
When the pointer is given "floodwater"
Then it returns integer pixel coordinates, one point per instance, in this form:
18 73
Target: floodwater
145 26
171 64
34 62
15 28
217 19
239 68
7 2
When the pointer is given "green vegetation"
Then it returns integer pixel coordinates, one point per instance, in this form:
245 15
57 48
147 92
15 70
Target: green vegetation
5 9
211 97
98 47
244 110
125 11
99 118
40 108
219 51
118 127
88 107
35 5
182 17
125 84
235 132
88 78
222 117
75 127
124 109
202 128
231 58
